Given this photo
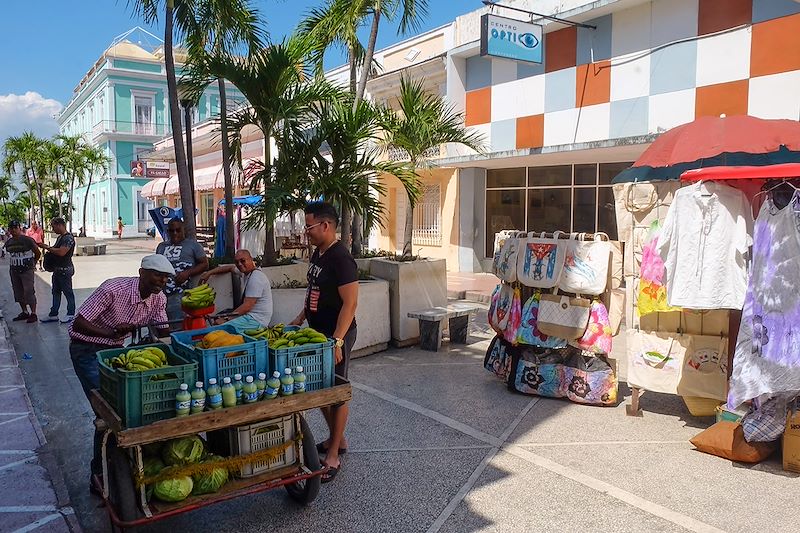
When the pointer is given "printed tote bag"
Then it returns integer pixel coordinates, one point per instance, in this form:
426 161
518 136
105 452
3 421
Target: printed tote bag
540 261
655 359
586 265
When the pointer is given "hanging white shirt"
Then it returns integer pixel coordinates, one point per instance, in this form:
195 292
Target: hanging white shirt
704 241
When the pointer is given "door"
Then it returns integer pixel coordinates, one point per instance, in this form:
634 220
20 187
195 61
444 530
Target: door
143 112
142 208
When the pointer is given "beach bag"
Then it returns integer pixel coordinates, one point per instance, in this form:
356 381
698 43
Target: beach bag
498 357
652 296
500 314
655 359
514 317
540 261
499 241
506 264
597 337
529 333
563 316
705 368
590 380
586 264
493 308
540 372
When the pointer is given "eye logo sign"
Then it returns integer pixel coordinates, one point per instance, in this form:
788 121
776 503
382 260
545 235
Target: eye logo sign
511 39
528 40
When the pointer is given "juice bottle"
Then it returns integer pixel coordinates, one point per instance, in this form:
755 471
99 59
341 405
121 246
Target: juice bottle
198 398
249 390
287 383
261 384
183 401
273 386
214 393
299 381
228 393
237 384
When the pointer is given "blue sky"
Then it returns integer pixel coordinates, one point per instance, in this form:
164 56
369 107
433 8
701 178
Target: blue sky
46 46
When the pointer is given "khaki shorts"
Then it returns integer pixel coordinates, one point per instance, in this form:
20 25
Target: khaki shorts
22 283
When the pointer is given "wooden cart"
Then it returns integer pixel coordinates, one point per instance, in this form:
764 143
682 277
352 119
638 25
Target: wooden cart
122 455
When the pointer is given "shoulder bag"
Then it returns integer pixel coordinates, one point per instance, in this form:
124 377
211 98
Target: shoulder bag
541 261
586 265
563 316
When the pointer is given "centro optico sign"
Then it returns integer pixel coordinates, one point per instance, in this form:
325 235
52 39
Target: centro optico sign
511 39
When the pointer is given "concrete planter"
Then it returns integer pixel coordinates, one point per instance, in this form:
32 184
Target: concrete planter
372 314
413 285
223 285
363 264
278 275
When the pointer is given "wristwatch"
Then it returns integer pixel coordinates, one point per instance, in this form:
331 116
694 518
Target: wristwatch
339 342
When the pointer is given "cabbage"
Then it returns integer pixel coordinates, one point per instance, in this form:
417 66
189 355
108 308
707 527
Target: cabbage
211 482
173 490
152 466
183 451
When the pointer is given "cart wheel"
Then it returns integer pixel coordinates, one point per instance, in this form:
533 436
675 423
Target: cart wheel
122 492
305 491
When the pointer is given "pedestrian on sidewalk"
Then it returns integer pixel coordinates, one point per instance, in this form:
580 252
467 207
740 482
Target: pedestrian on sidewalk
2 242
58 260
23 256
36 232
120 226
114 310
187 258
330 308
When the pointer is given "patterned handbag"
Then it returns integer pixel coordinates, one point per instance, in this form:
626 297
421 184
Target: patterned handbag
529 333
705 368
590 380
655 359
563 316
498 358
597 337
493 308
500 240
505 264
586 265
540 261
501 312
514 317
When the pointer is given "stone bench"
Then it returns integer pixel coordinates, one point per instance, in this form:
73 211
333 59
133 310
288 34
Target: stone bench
91 249
431 322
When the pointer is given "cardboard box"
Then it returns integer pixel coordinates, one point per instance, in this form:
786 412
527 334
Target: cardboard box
791 443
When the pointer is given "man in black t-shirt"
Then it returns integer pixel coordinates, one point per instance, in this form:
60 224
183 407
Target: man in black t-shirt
330 308
59 261
24 254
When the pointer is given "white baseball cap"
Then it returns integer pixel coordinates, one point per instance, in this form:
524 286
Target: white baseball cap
159 263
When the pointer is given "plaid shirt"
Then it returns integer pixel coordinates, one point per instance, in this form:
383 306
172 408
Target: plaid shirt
117 301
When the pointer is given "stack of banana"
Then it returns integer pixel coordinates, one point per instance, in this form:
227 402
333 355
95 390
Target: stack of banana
139 359
219 338
198 298
270 333
289 339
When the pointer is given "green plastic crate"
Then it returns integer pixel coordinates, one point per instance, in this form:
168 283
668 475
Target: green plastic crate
137 397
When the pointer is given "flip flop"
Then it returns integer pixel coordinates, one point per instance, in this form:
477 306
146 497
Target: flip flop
322 449
330 475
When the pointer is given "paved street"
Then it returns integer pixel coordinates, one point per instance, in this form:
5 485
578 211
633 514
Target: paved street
437 444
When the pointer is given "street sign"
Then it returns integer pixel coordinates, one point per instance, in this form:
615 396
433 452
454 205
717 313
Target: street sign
511 39
157 169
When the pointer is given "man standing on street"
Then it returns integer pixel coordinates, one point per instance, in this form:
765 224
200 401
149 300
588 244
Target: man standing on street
36 233
330 308
23 254
59 263
114 310
187 258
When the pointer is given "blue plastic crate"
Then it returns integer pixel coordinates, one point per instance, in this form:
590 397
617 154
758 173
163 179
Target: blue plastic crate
250 358
316 359
143 397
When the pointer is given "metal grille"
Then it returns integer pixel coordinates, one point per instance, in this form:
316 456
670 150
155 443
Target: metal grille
428 218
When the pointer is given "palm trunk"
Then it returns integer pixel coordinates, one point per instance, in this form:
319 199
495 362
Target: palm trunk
71 197
269 245
187 194
226 171
347 222
86 202
408 232
58 195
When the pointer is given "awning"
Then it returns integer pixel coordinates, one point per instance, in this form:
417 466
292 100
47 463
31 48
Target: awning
206 179
786 170
172 187
154 187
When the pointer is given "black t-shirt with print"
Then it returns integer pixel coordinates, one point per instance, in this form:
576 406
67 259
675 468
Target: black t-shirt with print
22 251
66 240
326 273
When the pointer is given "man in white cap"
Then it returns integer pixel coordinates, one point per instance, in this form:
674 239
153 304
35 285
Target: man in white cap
115 309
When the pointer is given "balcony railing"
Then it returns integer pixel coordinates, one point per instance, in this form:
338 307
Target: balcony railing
129 128
398 154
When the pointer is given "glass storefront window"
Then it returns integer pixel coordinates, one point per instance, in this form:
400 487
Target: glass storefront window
557 175
584 209
505 177
548 209
504 210
606 213
609 171
586 174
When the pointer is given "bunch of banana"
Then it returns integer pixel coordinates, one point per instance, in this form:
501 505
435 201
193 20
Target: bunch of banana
273 332
139 359
219 338
199 297
298 338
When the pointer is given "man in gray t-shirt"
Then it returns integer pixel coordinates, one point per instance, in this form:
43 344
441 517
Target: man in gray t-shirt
256 308
188 259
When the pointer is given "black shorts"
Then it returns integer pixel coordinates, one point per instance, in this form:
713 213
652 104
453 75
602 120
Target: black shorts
349 342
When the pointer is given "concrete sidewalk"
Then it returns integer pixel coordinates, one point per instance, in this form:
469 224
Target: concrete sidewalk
33 495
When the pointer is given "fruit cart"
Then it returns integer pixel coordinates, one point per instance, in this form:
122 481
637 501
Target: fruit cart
123 456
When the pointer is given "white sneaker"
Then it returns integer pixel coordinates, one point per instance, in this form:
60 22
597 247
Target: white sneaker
49 318
67 319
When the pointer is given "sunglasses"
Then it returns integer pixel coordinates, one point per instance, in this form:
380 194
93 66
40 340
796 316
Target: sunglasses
174 230
314 225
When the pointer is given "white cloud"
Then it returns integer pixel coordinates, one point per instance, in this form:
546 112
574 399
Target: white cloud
28 112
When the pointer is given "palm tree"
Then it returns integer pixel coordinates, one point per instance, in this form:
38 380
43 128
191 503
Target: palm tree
74 168
94 160
7 189
24 153
54 160
180 15
221 27
337 24
424 121
280 93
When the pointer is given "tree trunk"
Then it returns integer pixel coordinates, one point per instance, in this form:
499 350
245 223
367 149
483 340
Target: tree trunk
86 203
270 254
230 244
347 222
71 196
58 195
187 194
358 234
408 232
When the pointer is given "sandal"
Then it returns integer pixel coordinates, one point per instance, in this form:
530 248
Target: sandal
321 448
330 475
